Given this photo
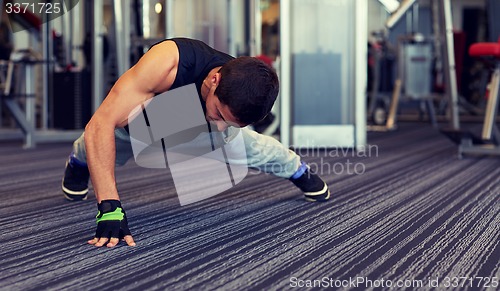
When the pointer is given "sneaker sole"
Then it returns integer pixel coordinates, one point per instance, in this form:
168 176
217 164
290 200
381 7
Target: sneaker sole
74 195
319 196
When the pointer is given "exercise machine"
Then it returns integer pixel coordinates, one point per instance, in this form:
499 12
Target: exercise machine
413 82
19 89
489 141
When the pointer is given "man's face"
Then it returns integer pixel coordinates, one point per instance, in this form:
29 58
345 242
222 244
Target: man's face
219 113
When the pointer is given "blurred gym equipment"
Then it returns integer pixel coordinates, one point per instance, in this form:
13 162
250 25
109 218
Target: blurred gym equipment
489 141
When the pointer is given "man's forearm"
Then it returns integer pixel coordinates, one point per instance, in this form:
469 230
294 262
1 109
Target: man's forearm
101 155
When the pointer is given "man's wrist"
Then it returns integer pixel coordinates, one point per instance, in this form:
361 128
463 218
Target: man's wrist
112 196
106 206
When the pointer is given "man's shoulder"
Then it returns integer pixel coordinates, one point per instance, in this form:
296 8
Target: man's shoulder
186 40
198 46
184 43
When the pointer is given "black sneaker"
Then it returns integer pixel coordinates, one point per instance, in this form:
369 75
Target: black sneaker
76 180
314 188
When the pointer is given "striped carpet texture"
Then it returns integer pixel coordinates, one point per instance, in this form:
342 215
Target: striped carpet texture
405 214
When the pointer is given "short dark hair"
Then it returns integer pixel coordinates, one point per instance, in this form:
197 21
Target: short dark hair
249 87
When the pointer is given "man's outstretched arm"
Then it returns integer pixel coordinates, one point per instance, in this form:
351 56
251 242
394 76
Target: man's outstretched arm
154 73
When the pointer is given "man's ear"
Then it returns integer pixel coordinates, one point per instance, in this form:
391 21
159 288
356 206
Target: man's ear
216 79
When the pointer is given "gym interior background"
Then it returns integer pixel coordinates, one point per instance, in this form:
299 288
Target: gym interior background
394 102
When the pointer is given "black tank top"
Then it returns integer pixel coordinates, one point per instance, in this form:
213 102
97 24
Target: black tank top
196 60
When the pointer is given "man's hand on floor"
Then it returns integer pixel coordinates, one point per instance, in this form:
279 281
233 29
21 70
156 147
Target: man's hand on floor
112 225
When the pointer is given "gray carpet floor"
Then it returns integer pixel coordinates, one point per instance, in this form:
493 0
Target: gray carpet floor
406 212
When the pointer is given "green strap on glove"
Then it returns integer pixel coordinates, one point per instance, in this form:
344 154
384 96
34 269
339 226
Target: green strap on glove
117 214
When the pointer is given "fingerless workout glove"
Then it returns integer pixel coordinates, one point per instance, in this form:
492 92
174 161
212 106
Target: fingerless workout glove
111 220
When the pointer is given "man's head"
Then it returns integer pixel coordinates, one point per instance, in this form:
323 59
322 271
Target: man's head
246 89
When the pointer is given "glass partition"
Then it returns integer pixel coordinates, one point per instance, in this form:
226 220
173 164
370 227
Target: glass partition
323 45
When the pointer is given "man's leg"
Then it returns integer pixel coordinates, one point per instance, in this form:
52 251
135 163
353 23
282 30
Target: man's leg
76 175
269 155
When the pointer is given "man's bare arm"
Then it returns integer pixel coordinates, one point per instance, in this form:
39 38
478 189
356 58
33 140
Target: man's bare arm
154 73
